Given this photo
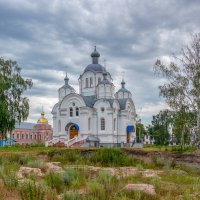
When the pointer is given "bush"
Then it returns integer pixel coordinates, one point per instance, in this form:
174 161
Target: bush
32 191
68 177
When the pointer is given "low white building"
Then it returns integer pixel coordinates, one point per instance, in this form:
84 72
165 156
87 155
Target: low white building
96 111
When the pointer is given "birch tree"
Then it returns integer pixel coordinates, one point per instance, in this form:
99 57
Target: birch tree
182 87
14 107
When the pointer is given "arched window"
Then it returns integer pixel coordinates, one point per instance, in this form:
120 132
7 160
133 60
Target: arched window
86 83
99 80
22 136
91 82
114 124
59 126
77 111
89 123
71 112
102 124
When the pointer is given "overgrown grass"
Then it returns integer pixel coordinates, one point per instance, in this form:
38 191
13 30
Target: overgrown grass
84 182
32 191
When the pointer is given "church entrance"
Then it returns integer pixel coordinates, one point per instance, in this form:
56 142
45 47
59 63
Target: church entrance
72 130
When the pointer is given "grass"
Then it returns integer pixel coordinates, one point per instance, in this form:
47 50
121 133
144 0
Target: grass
78 181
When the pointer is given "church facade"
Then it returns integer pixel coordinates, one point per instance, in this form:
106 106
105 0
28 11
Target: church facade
96 111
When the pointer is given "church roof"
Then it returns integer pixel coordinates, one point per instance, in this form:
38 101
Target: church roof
122 103
24 125
94 68
67 83
89 100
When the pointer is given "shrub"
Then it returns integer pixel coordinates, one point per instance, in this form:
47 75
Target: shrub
32 191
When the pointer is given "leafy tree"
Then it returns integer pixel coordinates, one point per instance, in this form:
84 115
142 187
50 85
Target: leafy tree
14 107
182 124
182 88
159 128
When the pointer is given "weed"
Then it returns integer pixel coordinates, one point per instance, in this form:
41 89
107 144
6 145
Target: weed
10 180
32 191
54 181
96 190
71 196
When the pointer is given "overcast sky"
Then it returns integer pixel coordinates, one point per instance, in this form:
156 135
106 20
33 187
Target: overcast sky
49 37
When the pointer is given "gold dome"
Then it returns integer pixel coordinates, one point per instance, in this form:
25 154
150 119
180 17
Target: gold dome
42 119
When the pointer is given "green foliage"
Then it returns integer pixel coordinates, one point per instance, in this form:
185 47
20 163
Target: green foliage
96 190
65 156
159 128
110 157
182 87
10 180
71 196
54 181
140 131
32 191
68 177
13 105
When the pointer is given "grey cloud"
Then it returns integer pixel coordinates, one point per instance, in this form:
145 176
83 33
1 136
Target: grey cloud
60 35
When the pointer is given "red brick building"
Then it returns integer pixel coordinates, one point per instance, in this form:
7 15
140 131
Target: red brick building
30 133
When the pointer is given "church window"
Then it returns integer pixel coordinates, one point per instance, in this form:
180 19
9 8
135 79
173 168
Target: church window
22 136
31 137
71 112
35 137
26 136
59 126
77 111
114 124
13 135
89 122
102 109
102 124
91 82
18 136
86 83
99 80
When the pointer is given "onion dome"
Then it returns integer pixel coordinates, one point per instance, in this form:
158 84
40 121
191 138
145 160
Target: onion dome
123 89
42 119
95 66
123 93
67 83
95 53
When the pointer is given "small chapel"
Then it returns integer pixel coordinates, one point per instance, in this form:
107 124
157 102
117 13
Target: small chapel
96 112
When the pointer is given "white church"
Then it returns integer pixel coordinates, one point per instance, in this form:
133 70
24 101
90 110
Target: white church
96 112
